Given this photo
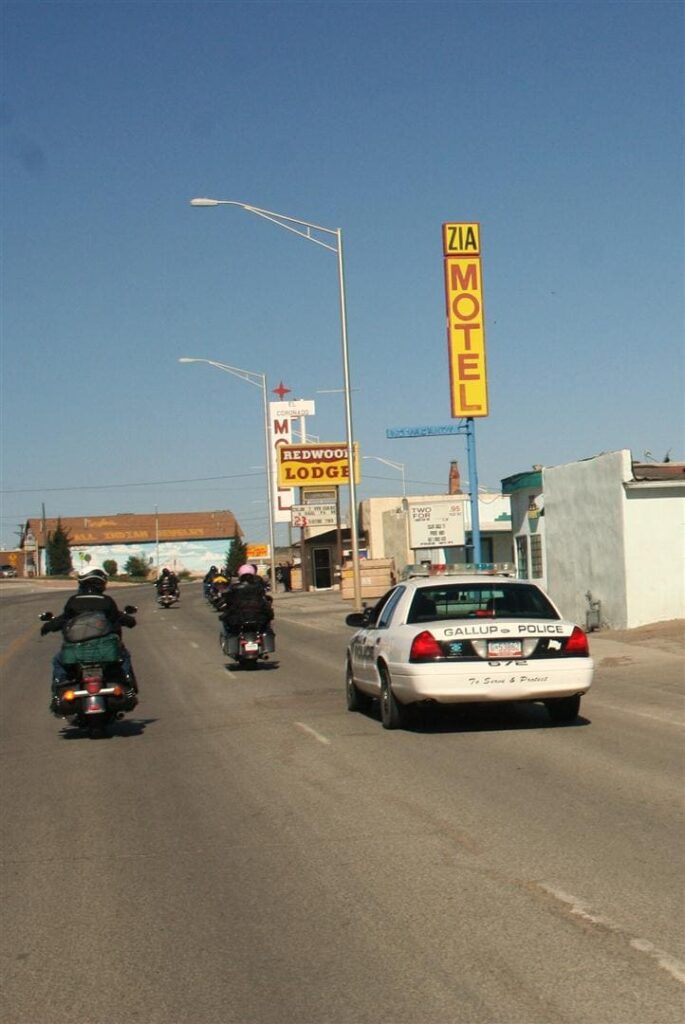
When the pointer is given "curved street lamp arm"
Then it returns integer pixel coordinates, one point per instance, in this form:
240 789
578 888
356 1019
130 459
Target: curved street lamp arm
281 219
249 375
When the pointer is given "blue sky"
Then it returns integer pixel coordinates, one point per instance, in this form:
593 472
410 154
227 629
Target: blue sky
557 126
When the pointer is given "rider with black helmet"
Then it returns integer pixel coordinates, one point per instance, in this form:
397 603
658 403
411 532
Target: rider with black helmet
90 597
168 580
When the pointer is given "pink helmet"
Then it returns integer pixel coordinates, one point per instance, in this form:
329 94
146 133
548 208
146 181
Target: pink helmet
247 570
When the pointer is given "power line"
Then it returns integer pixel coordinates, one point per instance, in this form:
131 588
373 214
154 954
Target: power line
107 487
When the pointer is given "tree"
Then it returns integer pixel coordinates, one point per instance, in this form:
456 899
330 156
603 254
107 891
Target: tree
57 552
110 567
235 556
137 566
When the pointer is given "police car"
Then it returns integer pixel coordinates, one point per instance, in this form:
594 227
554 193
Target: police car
473 637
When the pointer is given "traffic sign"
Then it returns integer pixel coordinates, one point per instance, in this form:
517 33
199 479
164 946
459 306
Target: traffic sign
448 428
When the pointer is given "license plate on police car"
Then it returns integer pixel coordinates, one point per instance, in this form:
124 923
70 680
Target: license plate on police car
505 649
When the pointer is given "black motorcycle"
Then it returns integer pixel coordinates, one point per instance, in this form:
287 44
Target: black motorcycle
249 645
97 690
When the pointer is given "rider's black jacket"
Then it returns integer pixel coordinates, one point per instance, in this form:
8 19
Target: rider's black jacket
246 602
170 580
79 603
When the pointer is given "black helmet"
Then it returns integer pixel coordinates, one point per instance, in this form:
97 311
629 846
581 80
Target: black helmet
93 579
165 572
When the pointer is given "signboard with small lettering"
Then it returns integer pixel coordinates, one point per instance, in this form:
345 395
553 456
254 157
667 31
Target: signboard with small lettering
436 524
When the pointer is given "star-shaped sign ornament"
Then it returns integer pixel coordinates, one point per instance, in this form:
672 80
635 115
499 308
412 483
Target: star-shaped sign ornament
281 391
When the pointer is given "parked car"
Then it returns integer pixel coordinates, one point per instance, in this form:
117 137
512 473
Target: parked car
453 639
7 570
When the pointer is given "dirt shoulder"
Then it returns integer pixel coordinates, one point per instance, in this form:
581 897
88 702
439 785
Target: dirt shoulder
666 636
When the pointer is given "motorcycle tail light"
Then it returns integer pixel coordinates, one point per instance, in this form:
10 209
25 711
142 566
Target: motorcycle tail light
93 685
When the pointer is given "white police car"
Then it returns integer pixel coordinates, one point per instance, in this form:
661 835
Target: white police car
472 637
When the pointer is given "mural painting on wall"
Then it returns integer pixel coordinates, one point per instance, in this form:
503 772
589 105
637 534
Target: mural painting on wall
191 556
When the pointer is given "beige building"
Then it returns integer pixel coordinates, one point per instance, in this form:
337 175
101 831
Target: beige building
184 541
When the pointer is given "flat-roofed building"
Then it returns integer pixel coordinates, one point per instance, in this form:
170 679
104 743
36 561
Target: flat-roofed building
190 541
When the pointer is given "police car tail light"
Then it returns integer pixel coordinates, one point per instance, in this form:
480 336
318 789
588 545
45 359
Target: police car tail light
425 647
577 644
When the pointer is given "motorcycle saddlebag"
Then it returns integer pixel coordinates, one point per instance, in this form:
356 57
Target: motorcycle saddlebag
99 651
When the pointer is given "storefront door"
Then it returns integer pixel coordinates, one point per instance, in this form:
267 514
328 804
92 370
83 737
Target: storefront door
323 575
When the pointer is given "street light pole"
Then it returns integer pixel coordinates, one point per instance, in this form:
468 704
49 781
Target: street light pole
305 229
259 380
394 465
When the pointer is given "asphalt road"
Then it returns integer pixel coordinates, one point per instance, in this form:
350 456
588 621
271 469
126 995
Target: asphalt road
243 849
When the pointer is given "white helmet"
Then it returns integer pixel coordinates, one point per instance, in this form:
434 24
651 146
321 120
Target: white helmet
95 578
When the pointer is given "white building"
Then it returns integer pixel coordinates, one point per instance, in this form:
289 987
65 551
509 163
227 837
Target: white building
611 538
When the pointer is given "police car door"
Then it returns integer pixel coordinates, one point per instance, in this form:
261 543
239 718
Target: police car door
379 642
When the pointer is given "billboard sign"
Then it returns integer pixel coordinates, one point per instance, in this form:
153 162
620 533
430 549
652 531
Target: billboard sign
300 465
436 524
280 433
314 515
256 552
465 320
295 409
319 495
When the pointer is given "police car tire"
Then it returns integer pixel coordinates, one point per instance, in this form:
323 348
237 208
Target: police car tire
393 714
356 701
563 709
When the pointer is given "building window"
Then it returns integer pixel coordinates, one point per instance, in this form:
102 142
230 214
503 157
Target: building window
536 556
522 557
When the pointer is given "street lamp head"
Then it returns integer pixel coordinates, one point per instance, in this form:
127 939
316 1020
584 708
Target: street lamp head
204 202
186 359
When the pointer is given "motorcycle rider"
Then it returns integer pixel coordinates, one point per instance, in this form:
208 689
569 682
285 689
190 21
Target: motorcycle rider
246 601
208 578
168 580
90 597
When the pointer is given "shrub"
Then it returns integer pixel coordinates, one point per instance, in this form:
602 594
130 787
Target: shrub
137 567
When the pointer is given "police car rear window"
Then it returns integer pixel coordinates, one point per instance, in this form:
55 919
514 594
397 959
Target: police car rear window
486 600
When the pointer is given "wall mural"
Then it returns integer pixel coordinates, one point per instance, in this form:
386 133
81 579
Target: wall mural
195 556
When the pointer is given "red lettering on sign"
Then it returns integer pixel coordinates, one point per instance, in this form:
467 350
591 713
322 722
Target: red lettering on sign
458 303
463 403
466 328
459 279
466 363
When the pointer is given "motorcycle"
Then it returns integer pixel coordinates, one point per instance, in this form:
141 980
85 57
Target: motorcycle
166 596
249 645
217 593
96 691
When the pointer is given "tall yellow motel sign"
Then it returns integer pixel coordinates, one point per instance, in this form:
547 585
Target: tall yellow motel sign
465 319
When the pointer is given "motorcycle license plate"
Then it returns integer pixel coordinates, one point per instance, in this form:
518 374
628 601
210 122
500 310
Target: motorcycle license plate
251 646
94 705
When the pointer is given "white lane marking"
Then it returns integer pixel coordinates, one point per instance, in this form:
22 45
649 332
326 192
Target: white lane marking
193 644
639 714
675 967
312 732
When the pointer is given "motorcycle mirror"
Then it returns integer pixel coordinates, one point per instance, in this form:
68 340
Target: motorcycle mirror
45 616
130 609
